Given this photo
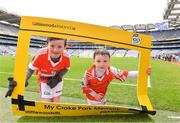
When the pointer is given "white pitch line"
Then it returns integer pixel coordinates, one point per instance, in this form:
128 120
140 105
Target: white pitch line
112 83
174 117
81 80
10 73
124 84
6 73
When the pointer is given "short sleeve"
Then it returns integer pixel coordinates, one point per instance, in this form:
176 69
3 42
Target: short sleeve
35 63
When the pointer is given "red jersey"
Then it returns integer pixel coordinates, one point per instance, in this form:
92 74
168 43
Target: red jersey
93 84
45 67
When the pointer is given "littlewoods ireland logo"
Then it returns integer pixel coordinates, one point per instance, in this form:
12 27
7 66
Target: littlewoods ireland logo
136 39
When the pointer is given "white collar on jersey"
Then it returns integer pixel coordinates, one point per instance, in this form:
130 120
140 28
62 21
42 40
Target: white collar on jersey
52 63
94 73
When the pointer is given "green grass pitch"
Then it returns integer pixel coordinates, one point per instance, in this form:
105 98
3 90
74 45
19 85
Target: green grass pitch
164 91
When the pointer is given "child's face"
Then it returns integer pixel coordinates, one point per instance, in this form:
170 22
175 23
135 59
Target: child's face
56 48
101 62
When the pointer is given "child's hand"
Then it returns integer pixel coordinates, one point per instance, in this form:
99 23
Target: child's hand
99 96
149 70
122 76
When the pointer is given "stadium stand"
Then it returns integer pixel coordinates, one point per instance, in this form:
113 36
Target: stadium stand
120 53
166 41
166 38
8 29
132 53
159 35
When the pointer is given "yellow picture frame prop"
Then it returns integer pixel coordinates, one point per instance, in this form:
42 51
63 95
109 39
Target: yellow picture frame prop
82 32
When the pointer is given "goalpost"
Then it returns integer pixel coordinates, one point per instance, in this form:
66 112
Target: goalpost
82 32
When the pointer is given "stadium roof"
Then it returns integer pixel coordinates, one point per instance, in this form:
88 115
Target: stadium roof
10 18
172 13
